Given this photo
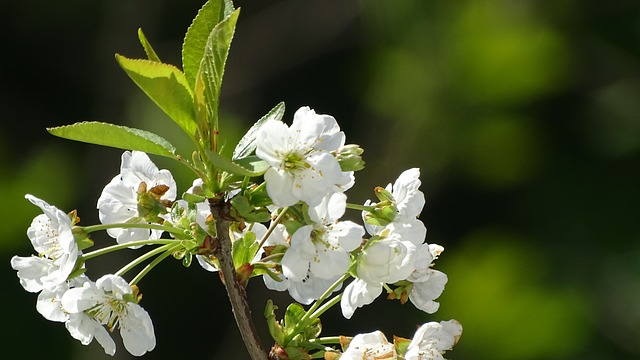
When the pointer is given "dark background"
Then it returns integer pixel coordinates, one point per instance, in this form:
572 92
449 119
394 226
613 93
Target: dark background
524 117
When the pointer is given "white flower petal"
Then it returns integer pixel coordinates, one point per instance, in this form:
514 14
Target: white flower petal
31 270
357 294
137 331
423 293
373 345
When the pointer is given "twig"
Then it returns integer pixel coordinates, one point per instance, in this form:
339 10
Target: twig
235 289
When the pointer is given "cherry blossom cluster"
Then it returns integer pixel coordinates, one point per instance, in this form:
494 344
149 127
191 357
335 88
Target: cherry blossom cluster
287 229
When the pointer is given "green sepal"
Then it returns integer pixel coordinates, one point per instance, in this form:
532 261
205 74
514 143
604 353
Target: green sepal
77 272
186 260
167 86
401 344
247 145
151 54
78 268
258 268
275 328
195 40
82 238
84 243
116 136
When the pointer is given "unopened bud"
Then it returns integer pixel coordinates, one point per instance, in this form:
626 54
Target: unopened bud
350 158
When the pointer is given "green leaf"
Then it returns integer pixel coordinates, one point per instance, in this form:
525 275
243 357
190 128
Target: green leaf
232 167
242 247
212 65
254 164
211 13
151 54
120 137
247 144
275 329
166 86
293 315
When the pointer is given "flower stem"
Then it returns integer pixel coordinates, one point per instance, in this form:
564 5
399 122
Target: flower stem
360 207
168 250
170 229
315 310
144 257
112 248
321 310
273 226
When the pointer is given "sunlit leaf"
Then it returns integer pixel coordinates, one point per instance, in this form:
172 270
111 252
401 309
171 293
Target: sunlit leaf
116 136
249 167
166 86
211 13
211 69
247 144
151 54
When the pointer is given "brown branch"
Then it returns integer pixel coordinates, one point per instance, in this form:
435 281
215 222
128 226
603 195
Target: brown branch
235 288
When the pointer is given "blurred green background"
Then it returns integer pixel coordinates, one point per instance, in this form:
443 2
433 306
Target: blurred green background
523 116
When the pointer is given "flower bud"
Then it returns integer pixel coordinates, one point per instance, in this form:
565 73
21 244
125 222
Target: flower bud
350 158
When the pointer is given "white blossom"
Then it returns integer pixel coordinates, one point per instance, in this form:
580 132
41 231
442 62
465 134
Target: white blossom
322 249
118 202
433 339
52 238
49 303
369 346
302 167
109 302
409 201
385 261
309 288
428 284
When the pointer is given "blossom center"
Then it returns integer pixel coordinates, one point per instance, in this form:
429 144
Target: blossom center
109 312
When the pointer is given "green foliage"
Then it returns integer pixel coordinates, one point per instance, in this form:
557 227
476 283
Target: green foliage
151 54
247 167
211 70
198 34
275 329
167 86
121 137
247 144
244 248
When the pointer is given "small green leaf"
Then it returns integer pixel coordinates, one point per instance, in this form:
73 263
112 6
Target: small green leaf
167 86
116 136
241 249
247 144
229 166
241 204
275 329
212 66
151 54
211 13
293 315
